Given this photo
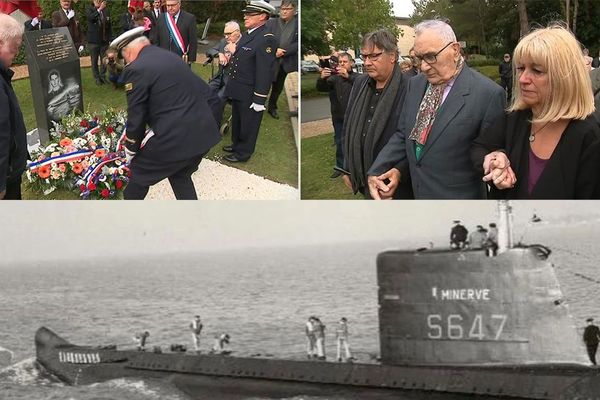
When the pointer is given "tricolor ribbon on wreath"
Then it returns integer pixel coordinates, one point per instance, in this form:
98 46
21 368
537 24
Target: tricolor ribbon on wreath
63 158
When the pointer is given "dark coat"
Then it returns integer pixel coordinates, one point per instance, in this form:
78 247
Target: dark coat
445 170
186 23
289 62
154 20
99 30
250 67
591 335
13 137
404 190
572 172
59 19
341 89
164 93
42 24
127 22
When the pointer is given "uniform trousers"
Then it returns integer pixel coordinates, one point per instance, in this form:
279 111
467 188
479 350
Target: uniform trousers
591 350
146 172
245 124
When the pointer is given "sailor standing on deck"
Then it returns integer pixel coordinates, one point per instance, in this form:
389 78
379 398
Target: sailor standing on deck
250 75
311 339
591 337
342 340
458 236
196 328
140 339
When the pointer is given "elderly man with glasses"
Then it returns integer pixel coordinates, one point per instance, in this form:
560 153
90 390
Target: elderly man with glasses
176 31
373 109
446 107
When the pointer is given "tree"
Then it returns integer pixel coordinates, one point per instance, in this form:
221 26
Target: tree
341 24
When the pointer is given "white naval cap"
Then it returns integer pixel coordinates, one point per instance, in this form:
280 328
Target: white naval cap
259 6
126 37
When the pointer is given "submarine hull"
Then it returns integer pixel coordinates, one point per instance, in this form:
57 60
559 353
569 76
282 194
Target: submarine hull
216 376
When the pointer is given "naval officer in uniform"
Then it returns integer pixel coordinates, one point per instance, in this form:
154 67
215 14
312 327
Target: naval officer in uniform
179 108
250 76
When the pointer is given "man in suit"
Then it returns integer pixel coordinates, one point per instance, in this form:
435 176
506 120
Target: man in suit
446 107
153 14
98 36
164 94
250 77
591 338
166 34
285 29
13 137
66 17
127 19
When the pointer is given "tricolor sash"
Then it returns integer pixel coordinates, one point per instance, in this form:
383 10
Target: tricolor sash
176 35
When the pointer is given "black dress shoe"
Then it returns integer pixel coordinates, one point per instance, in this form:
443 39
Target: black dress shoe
273 113
228 149
233 158
335 174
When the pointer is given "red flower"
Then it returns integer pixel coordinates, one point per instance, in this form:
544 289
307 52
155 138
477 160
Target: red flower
100 153
104 193
119 184
83 123
82 188
44 171
91 186
110 129
77 168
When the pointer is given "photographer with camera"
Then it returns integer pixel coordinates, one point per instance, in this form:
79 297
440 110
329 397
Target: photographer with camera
337 79
114 65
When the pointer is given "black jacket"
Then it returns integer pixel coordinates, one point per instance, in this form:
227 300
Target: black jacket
572 172
505 70
127 22
99 29
186 23
289 62
42 24
13 137
164 93
341 93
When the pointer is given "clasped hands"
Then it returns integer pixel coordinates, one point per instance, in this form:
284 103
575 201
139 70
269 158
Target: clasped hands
497 170
379 189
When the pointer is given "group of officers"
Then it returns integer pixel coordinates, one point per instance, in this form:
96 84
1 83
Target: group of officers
480 238
173 115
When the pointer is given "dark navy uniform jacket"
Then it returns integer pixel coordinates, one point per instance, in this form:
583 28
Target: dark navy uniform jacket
251 67
164 93
13 138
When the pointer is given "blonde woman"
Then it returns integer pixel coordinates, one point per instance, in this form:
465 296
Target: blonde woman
548 144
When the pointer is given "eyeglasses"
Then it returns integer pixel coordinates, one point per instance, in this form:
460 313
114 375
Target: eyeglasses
230 33
431 58
372 56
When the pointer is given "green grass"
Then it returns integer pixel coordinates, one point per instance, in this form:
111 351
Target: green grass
275 158
491 71
308 85
318 159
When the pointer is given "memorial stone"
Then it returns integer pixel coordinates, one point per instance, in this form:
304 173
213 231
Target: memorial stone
55 77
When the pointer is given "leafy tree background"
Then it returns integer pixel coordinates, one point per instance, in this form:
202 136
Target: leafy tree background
341 24
493 27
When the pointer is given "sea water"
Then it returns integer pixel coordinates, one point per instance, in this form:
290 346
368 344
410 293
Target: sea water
260 297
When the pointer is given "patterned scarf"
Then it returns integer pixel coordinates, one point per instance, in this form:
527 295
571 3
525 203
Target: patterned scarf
429 106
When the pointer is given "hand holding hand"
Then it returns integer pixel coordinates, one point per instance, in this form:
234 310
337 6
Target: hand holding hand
377 187
257 107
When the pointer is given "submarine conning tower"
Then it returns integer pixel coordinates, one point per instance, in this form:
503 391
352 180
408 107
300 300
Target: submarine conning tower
461 307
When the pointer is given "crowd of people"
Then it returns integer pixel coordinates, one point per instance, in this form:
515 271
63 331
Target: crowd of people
438 129
166 101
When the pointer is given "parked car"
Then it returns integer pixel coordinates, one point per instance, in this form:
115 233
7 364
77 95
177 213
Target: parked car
308 66
359 65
